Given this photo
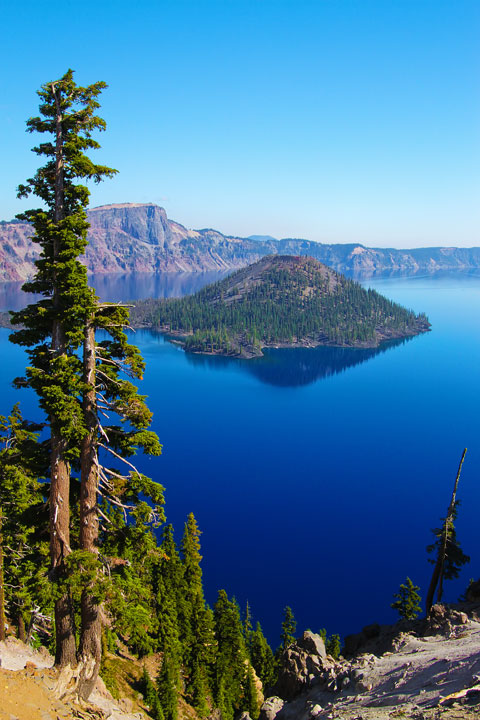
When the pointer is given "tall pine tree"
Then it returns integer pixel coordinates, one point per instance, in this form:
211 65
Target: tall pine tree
73 393
53 328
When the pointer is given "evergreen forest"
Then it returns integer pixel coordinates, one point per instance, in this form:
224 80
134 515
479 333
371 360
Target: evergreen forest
281 299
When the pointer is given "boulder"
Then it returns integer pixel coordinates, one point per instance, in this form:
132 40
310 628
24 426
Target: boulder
270 708
441 620
312 644
299 669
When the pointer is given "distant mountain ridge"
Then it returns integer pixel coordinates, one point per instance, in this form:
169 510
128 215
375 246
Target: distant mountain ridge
138 237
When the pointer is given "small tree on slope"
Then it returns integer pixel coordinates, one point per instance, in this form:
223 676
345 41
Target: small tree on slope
407 600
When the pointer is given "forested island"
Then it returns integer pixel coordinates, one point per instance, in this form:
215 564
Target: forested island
279 301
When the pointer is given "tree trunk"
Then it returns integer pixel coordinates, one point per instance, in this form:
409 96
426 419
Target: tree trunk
439 565
448 523
90 651
22 635
65 651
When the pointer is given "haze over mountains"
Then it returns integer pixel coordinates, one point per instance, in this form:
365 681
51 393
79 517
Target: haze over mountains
134 237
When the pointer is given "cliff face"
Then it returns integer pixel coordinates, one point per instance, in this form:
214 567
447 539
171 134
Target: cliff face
17 252
134 237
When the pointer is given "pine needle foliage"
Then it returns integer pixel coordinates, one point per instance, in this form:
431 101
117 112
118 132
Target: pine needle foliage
289 625
407 600
446 535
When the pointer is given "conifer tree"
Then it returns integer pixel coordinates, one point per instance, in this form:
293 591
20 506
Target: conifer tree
450 556
261 657
247 624
201 655
23 460
132 554
289 626
167 688
231 656
106 389
193 621
74 393
333 645
170 570
192 558
54 327
197 691
168 637
251 700
407 600
148 688
157 712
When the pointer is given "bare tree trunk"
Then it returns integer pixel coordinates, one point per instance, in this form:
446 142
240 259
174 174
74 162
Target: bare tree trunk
448 522
2 583
22 635
90 650
437 574
65 652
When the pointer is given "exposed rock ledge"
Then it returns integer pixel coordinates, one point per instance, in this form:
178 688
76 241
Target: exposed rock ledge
420 670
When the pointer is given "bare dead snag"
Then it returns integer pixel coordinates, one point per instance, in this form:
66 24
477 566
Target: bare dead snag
438 570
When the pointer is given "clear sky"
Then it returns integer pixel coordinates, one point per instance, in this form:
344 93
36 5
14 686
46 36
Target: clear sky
333 120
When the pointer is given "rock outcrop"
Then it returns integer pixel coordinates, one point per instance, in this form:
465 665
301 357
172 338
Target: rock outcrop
134 237
303 664
424 670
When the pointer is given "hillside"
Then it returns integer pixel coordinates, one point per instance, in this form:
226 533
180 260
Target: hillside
280 300
425 669
133 237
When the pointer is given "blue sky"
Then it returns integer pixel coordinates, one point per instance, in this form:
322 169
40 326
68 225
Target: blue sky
334 120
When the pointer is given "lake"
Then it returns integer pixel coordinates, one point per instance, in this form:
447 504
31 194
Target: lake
316 475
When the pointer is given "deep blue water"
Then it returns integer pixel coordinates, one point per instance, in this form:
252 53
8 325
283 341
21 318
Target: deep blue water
316 475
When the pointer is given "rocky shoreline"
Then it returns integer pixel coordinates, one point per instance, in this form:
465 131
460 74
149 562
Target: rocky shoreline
247 351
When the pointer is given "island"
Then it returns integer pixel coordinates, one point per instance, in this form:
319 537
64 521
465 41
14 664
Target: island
279 301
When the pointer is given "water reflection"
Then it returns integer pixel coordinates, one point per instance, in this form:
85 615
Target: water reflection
291 367
122 287
138 286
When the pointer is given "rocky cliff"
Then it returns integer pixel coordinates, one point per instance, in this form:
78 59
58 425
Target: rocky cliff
134 237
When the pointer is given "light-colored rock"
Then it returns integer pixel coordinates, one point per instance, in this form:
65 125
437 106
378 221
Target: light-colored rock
313 644
14 655
271 707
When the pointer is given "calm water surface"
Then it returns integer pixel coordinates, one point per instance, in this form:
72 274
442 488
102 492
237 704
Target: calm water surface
315 475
